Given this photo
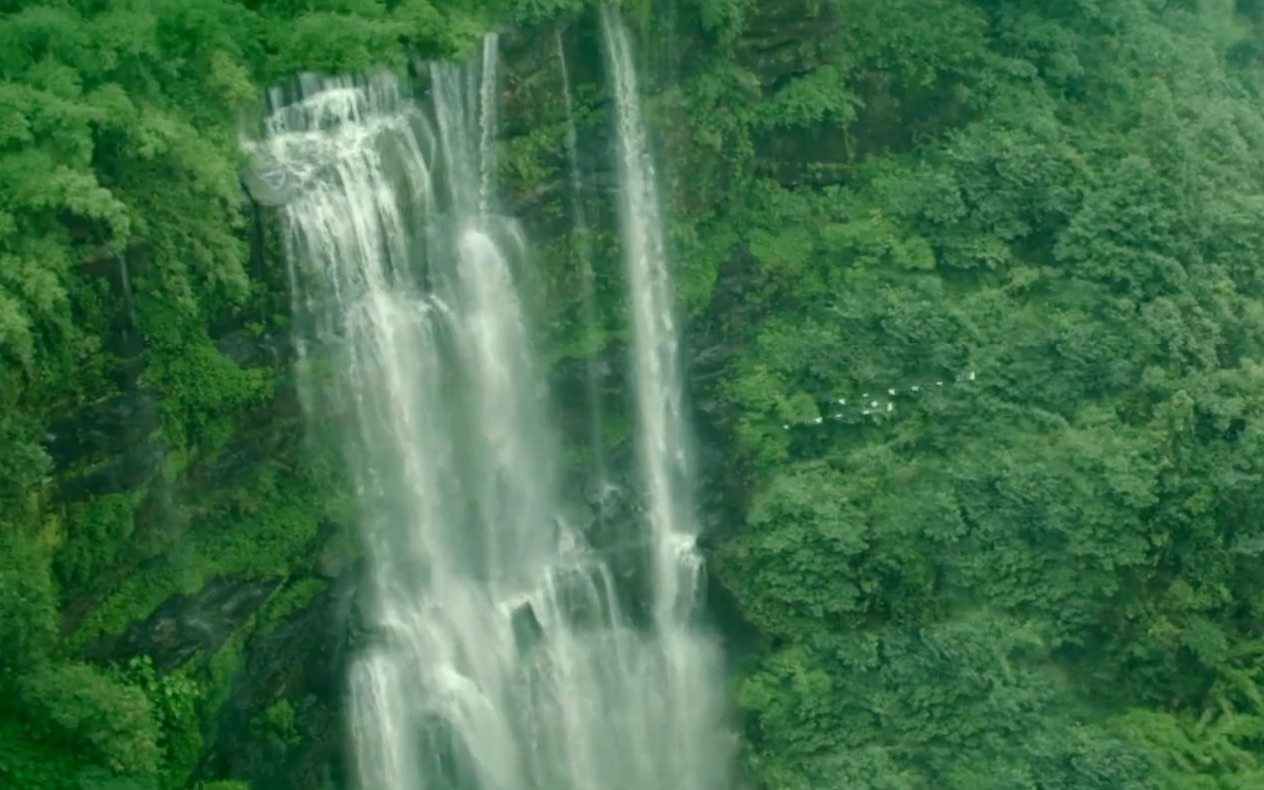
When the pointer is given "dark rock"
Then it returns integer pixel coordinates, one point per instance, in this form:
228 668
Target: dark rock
236 463
125 341
127 471
720 334
570 376
304 660
252 351
187 624
106 427
126 374
786 38
332 564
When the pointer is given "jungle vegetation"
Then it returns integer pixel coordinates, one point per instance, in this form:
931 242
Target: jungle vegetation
1044 574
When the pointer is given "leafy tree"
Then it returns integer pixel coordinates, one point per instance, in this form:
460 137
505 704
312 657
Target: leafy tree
1054 278
84 706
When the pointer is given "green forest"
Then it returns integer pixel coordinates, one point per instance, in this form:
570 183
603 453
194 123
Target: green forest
975 301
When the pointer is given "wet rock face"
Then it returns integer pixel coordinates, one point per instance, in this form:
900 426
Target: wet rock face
237 463
717 338
251 351
299 661
785 38
123 472
109 427
188 624
302 660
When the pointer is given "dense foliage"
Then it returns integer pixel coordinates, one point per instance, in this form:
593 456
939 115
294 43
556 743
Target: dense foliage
1043 573
124 239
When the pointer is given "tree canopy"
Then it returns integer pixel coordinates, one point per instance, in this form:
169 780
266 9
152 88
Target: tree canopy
1001 408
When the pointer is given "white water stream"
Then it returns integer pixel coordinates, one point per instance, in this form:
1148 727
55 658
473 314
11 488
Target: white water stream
501 659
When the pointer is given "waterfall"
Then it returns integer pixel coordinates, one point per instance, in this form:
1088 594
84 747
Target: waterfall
588 296
663 432
488 105
501 657
692 661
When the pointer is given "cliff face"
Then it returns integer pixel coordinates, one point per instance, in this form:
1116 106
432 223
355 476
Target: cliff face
254 589
215 537
974 384
225 566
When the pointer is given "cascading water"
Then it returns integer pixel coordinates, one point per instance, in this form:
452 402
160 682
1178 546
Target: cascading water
692 667
501 656
663 436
